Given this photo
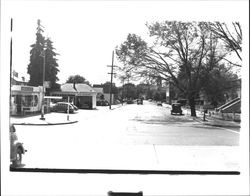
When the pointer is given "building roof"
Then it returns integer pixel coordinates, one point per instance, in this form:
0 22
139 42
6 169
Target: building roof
83 88
76 88
68 87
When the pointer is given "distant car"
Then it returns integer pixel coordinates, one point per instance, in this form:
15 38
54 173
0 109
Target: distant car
176 109
139 101
63 107
102 103
159 103
130 101
16 148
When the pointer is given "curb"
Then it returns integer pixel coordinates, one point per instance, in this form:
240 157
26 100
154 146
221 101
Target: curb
215 125
47 124
224 126
116 107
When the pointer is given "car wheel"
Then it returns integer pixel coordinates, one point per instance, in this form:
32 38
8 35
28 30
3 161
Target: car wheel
18 160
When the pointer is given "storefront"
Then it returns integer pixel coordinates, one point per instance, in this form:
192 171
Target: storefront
82 95
25 99
85 101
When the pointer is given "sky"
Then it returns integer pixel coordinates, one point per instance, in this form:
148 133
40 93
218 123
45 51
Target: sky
85 32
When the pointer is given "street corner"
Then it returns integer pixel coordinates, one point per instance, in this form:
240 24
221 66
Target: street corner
47 121
63 123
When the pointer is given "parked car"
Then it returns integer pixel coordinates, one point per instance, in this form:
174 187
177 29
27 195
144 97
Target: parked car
159 103
63 107
16 148
130 101
102 103
139 101
176 109
75 107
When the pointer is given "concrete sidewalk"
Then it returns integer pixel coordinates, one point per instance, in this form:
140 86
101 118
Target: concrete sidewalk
209 120
217 122
54 118
97 150
137 157
50 119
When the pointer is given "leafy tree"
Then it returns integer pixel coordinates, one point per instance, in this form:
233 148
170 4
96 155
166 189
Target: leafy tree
77 79
141 89
43 49
106 88
217 83
51 65
230 35
181 54
129 90
102 97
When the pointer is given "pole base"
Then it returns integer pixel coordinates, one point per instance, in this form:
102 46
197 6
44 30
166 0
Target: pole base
42 118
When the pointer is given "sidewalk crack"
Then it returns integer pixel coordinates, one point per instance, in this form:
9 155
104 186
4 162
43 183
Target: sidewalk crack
156 156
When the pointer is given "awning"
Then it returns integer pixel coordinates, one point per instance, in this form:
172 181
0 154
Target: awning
52 97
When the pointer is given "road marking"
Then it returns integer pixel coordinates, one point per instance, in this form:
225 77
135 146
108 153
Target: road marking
227 129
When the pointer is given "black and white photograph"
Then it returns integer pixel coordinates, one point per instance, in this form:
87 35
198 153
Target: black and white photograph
124 97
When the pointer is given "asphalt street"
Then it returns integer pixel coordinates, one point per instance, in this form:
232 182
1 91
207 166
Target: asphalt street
151 124
146 134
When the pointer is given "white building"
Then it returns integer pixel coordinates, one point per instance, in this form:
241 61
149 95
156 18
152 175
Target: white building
25 99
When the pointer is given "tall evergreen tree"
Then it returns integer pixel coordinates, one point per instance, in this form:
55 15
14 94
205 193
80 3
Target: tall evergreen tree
35 68
51 65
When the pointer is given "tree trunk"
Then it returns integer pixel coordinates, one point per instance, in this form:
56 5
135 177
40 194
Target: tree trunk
192 105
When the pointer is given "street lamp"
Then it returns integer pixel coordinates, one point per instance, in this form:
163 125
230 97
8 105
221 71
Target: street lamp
42 110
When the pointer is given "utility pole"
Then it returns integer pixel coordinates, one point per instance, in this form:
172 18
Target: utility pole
68 110
122 89
43 99
111 80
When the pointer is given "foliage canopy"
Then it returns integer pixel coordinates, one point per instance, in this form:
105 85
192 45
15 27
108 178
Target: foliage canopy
183 53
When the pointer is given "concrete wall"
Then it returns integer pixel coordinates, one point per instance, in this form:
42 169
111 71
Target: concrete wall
93 102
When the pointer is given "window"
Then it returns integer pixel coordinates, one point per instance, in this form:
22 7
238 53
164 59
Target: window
29 100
